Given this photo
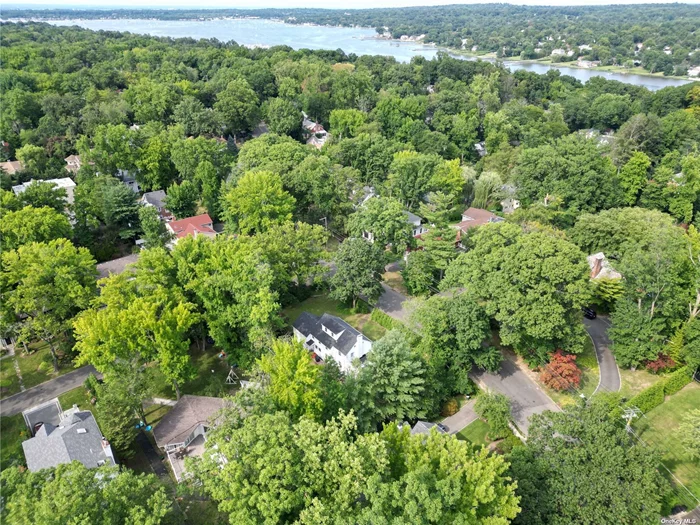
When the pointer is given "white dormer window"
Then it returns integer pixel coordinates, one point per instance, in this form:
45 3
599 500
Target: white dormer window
467 218
329 332
81 431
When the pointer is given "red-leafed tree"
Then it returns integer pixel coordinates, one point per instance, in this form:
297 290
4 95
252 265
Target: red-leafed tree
662 362
561 373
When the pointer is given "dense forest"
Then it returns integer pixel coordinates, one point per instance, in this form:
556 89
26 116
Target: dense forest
659 38
596 167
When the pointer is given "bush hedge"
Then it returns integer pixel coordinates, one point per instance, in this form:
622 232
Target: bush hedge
677 380
649 398
385 320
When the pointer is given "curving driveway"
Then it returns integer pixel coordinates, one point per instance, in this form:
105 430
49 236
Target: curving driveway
609 373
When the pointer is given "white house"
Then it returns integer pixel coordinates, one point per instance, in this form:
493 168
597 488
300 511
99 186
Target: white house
65 183
329 336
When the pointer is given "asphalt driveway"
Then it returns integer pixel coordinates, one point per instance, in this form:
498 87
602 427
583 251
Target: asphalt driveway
609 373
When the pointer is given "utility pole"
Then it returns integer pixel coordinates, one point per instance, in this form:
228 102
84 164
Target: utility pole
325 221
629 415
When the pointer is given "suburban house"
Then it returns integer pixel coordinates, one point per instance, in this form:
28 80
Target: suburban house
128 180
601 268
48 412
424 427
329 336
65 183
195 226
182 432
11 167
157 200
471 218
73 163
416 222
314 132
76 438
116 266
509 205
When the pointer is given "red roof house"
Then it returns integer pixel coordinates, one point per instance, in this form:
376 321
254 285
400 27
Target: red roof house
199 225
473 217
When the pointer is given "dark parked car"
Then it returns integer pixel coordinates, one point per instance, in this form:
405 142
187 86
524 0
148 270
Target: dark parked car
589 313
443 428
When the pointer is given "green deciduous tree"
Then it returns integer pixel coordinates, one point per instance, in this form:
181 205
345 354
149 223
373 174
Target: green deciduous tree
359 266
33 225
64 493
533 284
256 203
308 473
495 408
283 117
294 379
132 319
622 480
392 382
46 284
155 234
346 122
182 199
40 194
689 431
238 106
386 220
633 176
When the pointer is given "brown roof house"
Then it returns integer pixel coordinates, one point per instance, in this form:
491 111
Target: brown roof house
11 167
182 432
473 217
601 267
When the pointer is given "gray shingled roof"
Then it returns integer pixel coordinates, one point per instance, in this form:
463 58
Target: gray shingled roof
188 412
54 445
423 427
413 218
156 198
116 266
310 324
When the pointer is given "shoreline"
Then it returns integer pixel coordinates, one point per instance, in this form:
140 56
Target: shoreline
489 57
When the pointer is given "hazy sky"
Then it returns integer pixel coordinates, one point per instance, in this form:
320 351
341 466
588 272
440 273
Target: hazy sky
331 4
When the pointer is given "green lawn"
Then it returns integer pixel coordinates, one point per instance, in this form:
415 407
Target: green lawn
210 380
475 432
9 382
77 396
634 381
590 375
321 304
36 367
659 428
13 431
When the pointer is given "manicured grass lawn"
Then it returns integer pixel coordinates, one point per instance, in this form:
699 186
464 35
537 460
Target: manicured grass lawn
9 382
77 396
634 381
395 280
321 304
590 376
210 380
475 432
37 367
659 428
13 431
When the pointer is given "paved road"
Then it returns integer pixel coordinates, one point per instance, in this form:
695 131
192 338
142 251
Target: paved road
609 373
391 302
525 396
461 419
45 391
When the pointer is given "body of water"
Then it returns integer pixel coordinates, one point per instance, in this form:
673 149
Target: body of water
361 41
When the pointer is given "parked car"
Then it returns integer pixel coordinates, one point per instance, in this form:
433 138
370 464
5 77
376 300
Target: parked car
443 428
589 313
